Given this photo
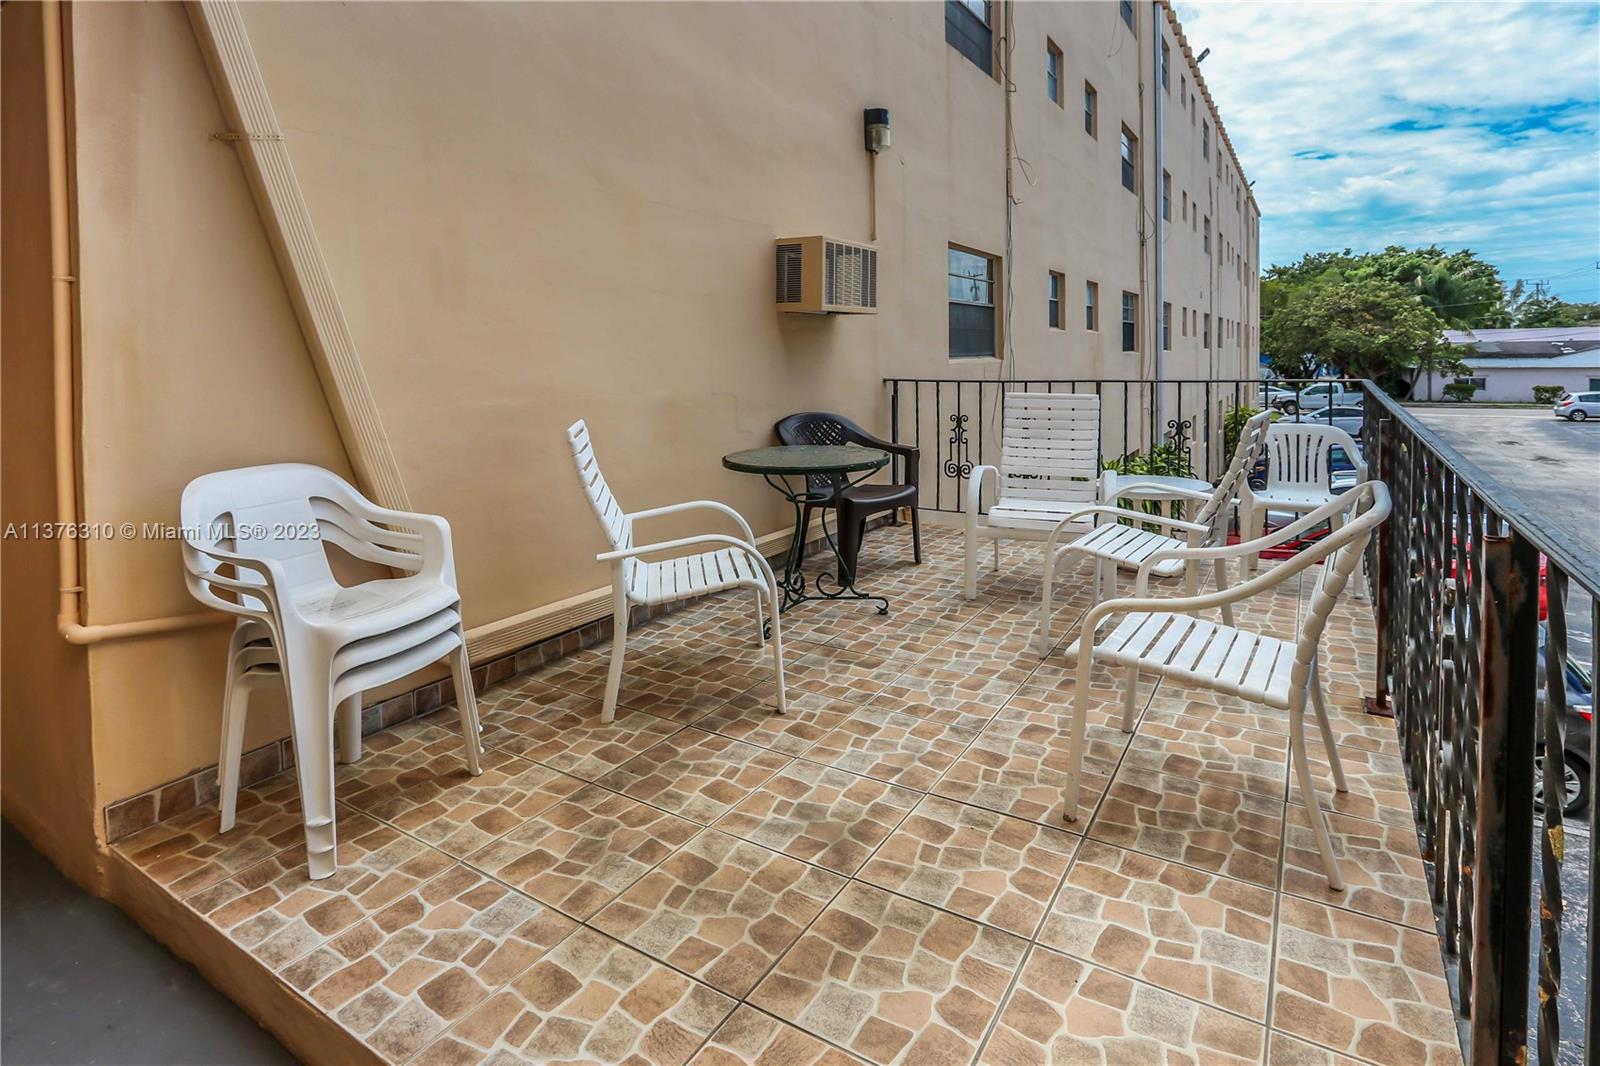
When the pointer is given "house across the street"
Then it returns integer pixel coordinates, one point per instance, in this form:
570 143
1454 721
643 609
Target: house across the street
1507 363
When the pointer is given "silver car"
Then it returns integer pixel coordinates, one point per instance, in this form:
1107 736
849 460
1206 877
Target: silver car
1349 419
1577 406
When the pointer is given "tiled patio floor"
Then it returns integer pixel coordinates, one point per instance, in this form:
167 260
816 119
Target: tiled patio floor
881 874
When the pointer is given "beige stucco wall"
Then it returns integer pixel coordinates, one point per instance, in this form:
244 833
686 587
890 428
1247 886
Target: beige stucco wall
539 212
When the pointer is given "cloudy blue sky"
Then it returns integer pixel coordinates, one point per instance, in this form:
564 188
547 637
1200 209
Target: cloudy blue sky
1467 124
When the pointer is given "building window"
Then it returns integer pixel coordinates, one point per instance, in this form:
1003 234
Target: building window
1052 77
972 317
1091 306
1127 14
1130 322
1205 338
1166 66
1478 383
1183 90
1166 327
1091 110
1207 241
1205 140
967 30
1130 159
1594 384
1186 205
1166 196
1058 285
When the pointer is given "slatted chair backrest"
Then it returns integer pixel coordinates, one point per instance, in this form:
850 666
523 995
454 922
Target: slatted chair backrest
1299 454
819 427
614 521
1050 447
1246 454
1341 551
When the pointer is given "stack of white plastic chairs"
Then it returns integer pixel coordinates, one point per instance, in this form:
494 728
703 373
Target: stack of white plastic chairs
255 546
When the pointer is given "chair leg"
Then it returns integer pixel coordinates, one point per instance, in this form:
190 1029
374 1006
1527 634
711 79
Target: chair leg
777 652
619 648
1080 713
311 717
969 572
1108 571
467 706
1046 587
1130 693
761 619
1219 570
916 537
1302 769
1253 524
1319 701
348 721
850 532
236 705
997 555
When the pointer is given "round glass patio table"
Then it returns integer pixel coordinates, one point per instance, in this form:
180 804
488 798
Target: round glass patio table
832 466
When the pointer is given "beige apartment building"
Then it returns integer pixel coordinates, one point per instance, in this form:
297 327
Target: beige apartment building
412 242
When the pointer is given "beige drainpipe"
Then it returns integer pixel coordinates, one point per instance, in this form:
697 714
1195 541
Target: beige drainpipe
69 615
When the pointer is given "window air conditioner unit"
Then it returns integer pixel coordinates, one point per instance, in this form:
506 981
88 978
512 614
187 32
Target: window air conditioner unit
822 276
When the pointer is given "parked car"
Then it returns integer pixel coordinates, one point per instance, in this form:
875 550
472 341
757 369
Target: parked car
1580 723
1341 416
1274 395
1322 394
1577 406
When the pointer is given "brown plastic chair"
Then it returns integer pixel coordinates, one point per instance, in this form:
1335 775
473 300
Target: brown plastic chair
854 503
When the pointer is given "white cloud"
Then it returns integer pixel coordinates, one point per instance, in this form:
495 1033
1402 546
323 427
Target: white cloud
1366 124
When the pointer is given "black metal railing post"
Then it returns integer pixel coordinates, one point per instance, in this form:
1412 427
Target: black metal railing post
1502 880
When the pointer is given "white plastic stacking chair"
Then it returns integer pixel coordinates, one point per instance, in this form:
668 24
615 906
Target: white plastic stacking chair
1299 475
1049 469
733 563
1164 636
254 547
1114 544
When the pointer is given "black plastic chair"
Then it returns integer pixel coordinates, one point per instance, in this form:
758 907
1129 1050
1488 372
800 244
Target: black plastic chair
854 503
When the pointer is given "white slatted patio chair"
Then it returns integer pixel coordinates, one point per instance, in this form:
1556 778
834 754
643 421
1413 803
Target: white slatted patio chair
1299 475
732 563
1112 543
1049 469
1164 636
254 547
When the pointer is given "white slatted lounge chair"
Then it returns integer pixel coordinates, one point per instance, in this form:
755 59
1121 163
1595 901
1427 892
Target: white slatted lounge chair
732 563
1114 544
1164 636
1049 468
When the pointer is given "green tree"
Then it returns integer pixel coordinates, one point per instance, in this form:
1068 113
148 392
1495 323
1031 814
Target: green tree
1368 328
1540 310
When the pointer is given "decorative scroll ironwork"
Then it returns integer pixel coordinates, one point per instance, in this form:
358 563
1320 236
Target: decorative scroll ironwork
1178 434
958 463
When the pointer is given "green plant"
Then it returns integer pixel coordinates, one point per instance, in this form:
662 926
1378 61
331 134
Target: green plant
1547 394
1165 460
1459 391
1233 424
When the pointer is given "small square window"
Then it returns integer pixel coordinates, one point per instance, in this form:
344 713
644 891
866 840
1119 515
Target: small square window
1130 322
1058 285
1130 160
1091 110
1091 306
1052 77
973 322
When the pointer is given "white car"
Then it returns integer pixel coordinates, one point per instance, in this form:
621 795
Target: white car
1350 419
1322 394
1577 406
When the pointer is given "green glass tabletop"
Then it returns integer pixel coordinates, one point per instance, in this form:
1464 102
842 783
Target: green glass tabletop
806 459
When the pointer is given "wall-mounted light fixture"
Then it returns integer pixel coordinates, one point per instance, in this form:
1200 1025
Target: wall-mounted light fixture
875 121
1202 57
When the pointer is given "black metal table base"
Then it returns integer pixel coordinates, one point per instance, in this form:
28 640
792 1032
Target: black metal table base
793 580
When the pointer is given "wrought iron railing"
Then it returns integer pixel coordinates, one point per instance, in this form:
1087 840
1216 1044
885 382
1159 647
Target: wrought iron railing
1456 575
955 423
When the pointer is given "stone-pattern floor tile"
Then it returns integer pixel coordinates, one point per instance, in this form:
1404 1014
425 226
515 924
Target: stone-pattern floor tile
277 913
841 672
1205 937
572 739
1285 1050
945 696
682 683
434 797
1362 986
1013 771
578 855
1383 871
1377 784
695 774
750 1038
890 746
893 980
822 815
720 909
400 977
1246 760
750 718
995 869
1214 829
1064 1012
190 852
589 1000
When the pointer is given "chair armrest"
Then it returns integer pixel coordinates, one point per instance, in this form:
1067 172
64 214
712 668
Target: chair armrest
1164 491
975 491
720 539
699 505
433 548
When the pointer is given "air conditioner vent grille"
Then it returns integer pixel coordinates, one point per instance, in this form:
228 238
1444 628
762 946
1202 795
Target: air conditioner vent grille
789 260
850 275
